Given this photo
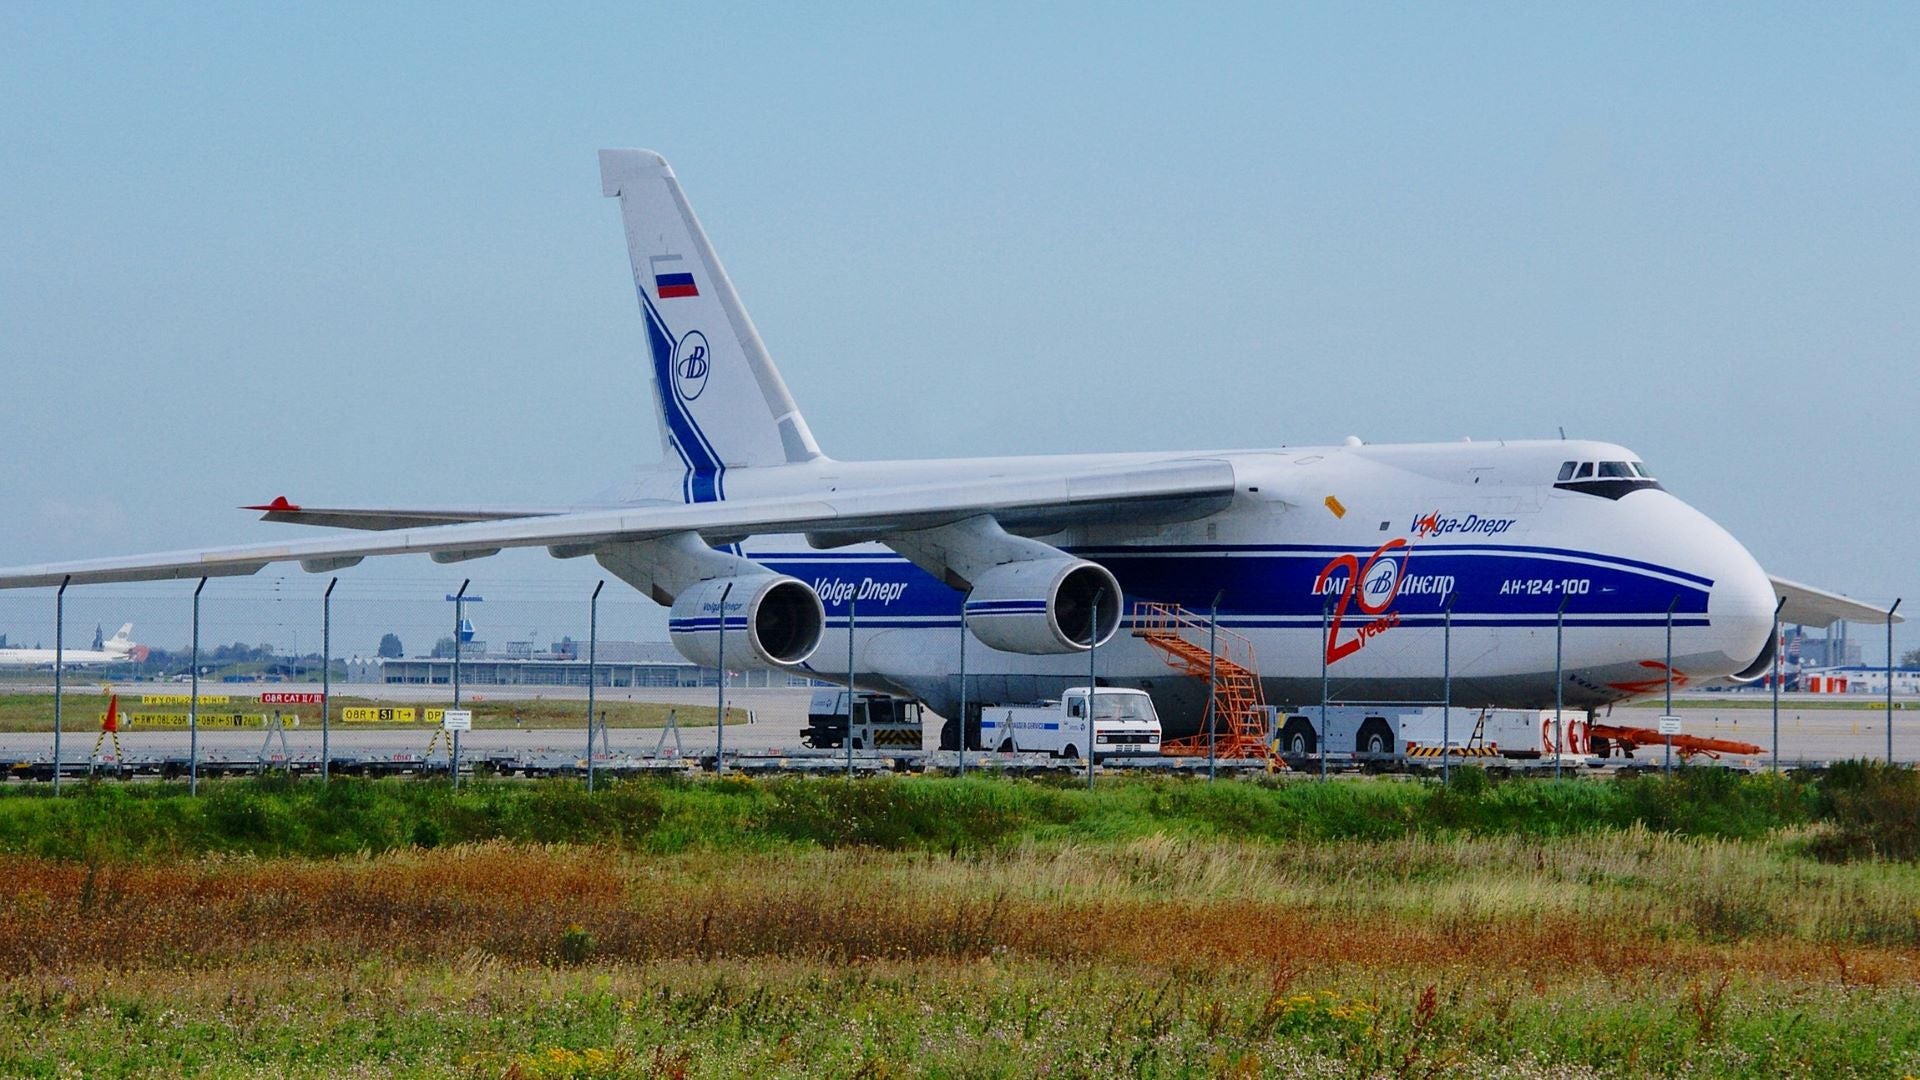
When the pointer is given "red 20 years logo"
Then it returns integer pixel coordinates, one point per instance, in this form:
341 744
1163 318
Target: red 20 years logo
1371 588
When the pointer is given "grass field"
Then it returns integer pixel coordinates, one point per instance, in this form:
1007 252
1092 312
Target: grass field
1715 926
82 711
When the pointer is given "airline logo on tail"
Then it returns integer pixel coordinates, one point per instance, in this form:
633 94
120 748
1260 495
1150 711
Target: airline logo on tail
691 364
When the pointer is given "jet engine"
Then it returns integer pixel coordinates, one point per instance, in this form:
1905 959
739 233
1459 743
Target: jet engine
1041 606
1761 665
770 620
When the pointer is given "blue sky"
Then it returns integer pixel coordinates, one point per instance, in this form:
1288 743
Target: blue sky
358 255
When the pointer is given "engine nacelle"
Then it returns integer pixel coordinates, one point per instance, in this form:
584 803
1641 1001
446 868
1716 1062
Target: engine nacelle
1762 665
771 621
1042 606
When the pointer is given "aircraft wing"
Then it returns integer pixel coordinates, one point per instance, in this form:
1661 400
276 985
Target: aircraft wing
1177 490
1809 606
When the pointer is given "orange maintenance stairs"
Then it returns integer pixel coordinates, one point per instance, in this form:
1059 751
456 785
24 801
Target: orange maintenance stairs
1236 712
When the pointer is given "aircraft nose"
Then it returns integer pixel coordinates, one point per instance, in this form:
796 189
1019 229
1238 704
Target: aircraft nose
1739 599
1739 606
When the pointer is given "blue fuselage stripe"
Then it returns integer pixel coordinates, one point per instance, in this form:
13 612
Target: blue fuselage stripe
1339 549
1279 582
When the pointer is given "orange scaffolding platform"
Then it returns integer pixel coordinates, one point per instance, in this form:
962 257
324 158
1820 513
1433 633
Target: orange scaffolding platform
1236 712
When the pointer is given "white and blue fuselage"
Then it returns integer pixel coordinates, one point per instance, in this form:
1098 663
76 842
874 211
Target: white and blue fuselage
1349 554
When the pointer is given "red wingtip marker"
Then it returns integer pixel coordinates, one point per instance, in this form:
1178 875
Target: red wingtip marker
279 505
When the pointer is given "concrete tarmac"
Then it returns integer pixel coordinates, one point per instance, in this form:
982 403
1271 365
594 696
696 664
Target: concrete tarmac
1808 734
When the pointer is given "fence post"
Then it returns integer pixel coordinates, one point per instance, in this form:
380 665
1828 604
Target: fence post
1212 709
593 669
1559 685
1890 611
326 681
459 621
1093 650
1446 695
720 709
1777 649
193 700
1326 683
848 741
963 688
60 669
1667 766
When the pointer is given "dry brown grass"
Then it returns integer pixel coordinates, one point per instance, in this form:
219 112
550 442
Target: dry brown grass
1614 955
1546 915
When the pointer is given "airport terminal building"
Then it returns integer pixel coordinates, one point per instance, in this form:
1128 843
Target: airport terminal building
618 664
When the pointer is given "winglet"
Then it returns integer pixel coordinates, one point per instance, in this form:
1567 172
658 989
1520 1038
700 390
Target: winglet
279 505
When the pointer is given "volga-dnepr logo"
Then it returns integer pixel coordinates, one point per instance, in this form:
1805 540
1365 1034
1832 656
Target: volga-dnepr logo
692 363
1434 524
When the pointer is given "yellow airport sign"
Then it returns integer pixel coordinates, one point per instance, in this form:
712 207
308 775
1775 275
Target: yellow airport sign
180 720
363 714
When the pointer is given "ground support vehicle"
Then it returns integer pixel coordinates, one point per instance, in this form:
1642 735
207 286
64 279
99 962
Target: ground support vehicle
1377 736
1124 723
880 722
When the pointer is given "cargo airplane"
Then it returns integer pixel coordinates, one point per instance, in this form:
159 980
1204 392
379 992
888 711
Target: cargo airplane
1370 559
118 649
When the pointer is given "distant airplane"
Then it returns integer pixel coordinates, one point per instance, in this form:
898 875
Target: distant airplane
118 649
1387 567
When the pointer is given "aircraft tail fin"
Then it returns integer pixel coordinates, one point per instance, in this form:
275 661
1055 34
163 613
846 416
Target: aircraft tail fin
121 644
721 401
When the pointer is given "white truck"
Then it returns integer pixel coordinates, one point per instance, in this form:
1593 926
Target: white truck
880 722
1376 735
1124 722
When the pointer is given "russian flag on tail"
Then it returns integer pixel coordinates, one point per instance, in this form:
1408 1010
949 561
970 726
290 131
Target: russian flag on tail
669 281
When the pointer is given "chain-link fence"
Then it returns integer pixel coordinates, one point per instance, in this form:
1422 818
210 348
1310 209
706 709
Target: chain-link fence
318 674
321 674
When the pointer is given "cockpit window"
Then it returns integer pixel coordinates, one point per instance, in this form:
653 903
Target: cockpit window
1606 479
